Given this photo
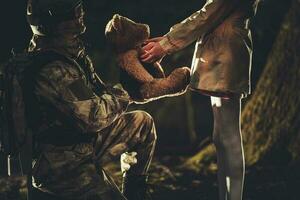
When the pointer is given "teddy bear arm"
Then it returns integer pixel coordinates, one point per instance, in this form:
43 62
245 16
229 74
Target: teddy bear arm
130 63
175 84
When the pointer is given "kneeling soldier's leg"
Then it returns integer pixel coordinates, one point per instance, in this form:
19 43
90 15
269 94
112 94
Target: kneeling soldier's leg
134 131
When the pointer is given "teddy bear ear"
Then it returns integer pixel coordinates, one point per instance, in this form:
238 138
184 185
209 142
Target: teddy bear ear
108 28
114 25
117 23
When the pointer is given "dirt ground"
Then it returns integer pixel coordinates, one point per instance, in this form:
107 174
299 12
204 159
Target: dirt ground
171 181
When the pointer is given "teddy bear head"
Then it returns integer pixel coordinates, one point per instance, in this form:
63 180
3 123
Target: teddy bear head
125 34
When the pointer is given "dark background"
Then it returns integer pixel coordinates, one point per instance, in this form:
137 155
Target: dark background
182 122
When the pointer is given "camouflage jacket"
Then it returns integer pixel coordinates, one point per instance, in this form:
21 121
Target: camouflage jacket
67 98
223 53
66 113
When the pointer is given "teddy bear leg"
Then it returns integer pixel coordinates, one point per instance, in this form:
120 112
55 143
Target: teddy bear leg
174 84
131 85
133 68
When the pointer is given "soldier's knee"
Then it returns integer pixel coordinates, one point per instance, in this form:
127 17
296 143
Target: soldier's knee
146 120
143 117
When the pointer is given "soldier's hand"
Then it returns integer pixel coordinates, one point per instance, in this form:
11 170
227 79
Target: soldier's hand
116 91
119 92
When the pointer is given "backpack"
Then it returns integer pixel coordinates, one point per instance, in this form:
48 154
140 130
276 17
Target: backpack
16 77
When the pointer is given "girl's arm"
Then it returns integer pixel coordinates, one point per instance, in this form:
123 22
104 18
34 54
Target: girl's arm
198 24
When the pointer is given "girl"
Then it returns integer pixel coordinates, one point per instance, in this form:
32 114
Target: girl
221 69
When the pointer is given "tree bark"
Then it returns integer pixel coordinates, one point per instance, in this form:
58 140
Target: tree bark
271 119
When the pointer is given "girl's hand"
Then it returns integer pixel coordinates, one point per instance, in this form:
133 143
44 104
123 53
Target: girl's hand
152 51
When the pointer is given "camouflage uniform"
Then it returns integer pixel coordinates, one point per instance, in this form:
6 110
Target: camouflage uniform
77 129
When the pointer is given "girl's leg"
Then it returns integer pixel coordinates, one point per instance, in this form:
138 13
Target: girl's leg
228 141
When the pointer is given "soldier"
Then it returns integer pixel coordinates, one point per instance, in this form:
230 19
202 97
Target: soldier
78 122
220 69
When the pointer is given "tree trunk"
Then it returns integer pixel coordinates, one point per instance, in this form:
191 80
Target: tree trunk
271 119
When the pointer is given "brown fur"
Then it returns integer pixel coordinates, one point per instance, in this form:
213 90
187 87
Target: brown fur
143 82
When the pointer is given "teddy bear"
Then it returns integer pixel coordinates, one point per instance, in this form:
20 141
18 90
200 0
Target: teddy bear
143 82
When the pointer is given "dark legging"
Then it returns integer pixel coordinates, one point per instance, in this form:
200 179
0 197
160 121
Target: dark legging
228 141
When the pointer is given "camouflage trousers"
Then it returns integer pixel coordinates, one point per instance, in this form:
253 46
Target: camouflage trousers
134 131
75 172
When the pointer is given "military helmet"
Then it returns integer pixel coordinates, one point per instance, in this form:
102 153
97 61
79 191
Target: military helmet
42 14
